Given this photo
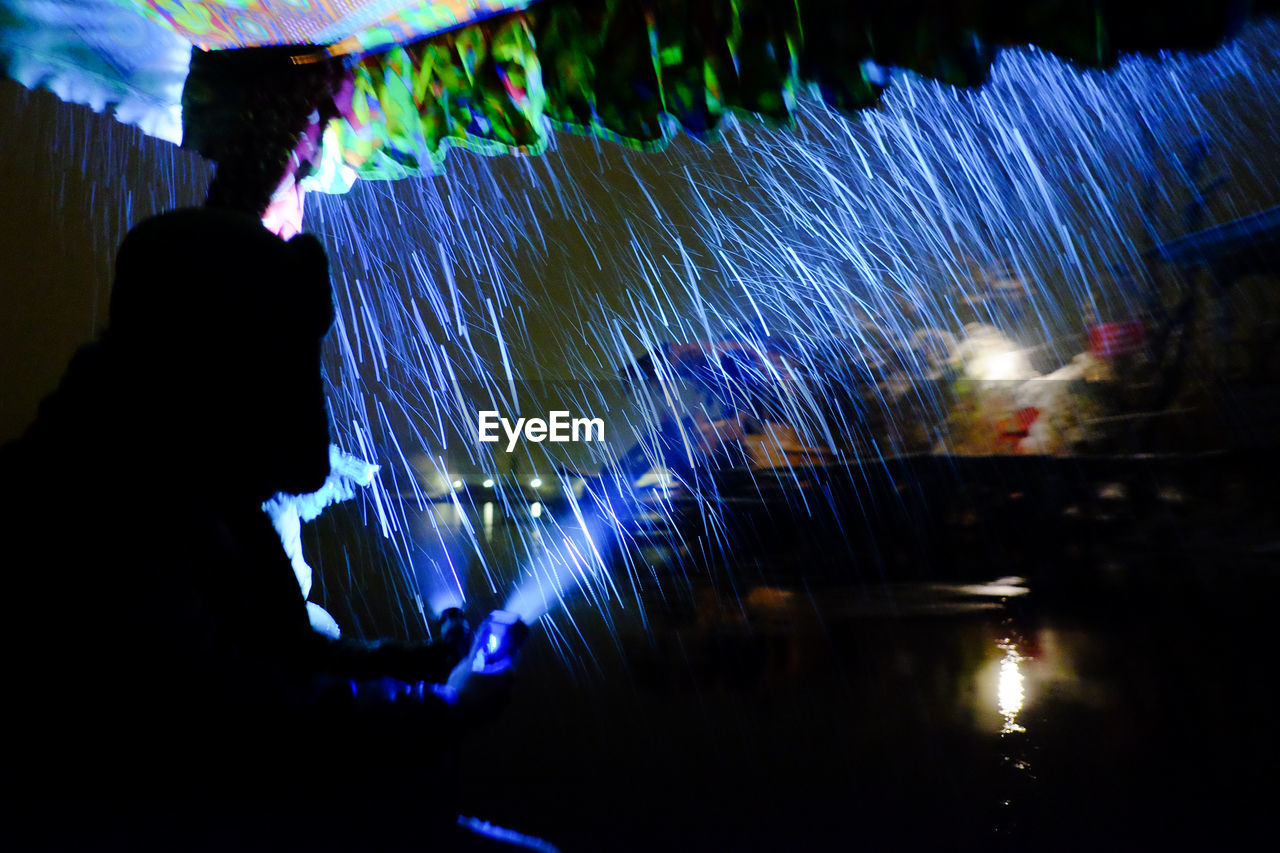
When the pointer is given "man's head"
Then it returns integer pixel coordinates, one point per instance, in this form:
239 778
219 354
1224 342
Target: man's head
217 325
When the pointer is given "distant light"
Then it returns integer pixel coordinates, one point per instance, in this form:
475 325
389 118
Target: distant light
999 366
535 483
535 509
1005 366
487 516
488 484
457 484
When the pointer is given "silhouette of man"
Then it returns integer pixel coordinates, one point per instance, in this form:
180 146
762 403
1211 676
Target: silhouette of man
168 688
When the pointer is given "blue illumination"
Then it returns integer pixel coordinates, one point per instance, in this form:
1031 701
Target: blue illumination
506 836
849 244
288 512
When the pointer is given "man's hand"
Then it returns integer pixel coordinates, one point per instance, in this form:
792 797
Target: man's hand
482 681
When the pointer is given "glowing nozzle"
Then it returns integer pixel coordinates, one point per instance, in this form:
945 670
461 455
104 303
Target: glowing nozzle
498 641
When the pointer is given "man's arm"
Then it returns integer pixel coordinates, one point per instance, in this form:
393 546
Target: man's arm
429 662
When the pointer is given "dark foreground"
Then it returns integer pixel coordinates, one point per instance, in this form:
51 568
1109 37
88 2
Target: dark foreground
827 718
795 695
1012 659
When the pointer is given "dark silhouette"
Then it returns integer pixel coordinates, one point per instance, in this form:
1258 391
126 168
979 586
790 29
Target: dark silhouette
169 691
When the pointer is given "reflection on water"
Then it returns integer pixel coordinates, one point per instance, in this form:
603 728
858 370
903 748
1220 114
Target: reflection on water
487 515
753 707
1010 691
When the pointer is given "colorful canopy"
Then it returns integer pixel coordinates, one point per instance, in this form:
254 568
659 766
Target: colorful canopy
638 71
100 53
333 90
351 26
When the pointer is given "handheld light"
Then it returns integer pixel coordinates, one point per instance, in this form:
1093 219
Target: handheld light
499 639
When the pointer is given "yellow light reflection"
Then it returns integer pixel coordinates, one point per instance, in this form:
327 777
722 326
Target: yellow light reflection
487 515
1009 690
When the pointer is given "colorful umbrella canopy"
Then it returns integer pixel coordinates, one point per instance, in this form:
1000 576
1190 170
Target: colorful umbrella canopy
349 26
292 94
